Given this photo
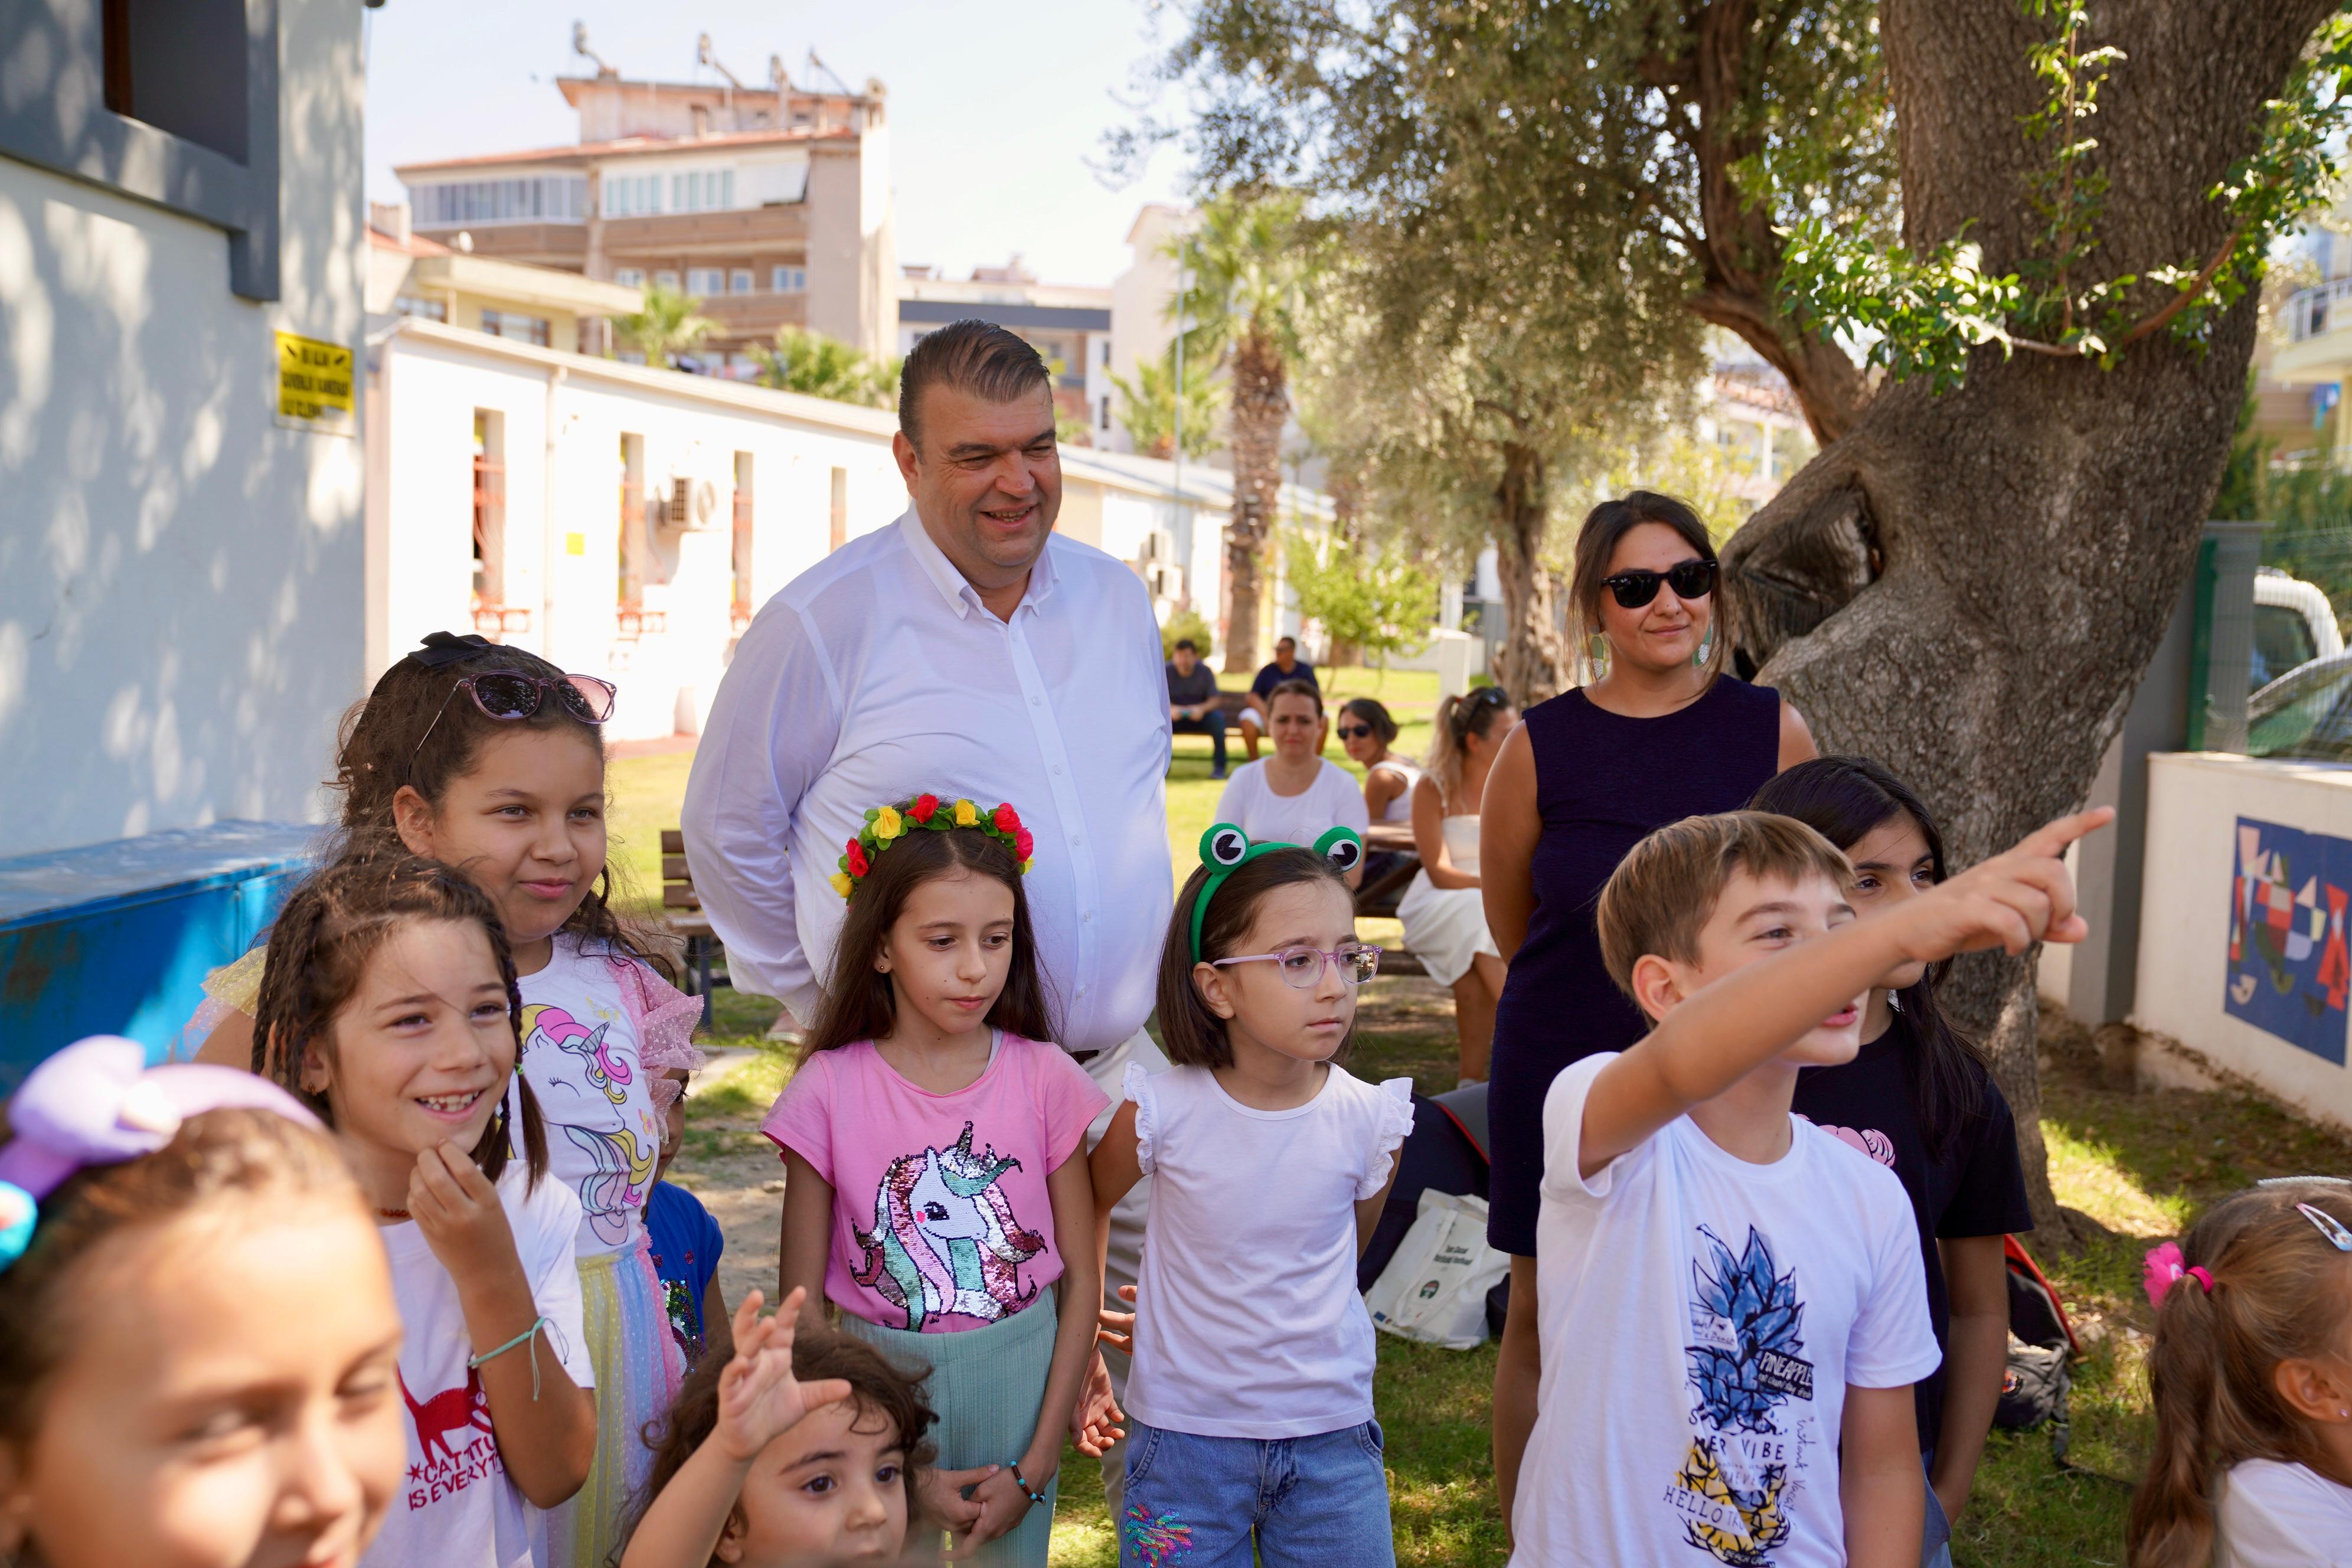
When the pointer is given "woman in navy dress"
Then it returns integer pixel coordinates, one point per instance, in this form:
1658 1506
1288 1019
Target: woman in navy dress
1660 735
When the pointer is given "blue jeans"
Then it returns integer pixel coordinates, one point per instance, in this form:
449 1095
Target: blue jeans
1936 1544
1302 1503
1211 724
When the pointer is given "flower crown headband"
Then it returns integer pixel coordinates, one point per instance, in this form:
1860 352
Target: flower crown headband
1227 849
885 825
98 1102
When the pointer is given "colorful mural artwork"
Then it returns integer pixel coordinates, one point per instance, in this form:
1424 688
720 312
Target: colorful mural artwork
2290 974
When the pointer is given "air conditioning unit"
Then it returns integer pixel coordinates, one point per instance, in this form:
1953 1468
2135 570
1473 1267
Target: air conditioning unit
691 504
1164 581
1159 546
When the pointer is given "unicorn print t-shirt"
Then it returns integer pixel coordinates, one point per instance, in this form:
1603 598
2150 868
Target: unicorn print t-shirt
940 1218
579 1055
455 1505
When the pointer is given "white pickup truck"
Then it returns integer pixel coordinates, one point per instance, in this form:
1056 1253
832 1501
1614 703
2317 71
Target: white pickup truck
2293 624
2302 702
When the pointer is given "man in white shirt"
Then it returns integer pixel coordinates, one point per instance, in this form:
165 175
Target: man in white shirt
965 650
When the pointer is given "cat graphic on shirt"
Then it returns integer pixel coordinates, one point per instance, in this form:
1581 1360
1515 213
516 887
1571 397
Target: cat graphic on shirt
1749 1443
454 1444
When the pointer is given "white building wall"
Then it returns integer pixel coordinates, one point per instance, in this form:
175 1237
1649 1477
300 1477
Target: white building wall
2195 804
180 578
566 493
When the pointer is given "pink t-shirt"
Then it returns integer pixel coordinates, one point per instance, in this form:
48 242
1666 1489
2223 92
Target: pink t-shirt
940 1217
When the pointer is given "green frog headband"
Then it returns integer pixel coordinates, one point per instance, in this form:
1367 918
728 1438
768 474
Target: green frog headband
1227 849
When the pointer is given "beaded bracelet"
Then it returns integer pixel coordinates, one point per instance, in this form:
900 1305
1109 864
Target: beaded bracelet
1032 1493
530 1336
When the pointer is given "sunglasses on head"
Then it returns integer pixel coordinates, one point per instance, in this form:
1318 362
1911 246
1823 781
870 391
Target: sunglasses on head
1468 708
507 697
1692 579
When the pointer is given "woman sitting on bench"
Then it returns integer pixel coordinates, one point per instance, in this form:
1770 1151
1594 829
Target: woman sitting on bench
1444 912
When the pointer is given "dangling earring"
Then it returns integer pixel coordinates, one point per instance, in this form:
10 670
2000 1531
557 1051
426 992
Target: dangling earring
1705 649
1596 654
1893 999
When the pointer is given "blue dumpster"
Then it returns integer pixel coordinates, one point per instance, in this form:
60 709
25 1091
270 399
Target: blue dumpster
116 937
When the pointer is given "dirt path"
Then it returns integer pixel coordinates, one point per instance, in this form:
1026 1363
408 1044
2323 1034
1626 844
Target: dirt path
734 1171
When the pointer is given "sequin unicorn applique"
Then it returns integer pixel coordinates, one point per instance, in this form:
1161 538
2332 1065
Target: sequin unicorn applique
945 1239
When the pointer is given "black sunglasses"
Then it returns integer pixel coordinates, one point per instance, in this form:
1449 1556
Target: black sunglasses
1349 731
1468 708
1692 579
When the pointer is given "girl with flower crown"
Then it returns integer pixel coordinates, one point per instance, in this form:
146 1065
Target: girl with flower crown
2252 1378
934 1147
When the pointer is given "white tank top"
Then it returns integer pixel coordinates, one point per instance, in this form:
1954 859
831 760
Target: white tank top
1400 808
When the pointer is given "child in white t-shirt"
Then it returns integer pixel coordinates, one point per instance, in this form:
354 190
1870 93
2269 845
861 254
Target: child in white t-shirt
389 1005
1733 1306
2252 1377
1251 1395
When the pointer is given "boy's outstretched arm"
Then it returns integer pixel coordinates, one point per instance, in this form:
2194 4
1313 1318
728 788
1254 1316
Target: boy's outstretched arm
1708 1041
1881 1485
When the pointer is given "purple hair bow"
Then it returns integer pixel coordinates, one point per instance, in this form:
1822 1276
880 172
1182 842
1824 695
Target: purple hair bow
98 1102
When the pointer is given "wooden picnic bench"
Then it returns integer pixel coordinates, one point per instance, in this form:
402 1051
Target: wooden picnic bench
682 916
1378 898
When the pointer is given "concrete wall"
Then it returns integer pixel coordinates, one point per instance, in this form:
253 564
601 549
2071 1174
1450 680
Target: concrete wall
180 578
562 426
1140 328
2277 1018
852 262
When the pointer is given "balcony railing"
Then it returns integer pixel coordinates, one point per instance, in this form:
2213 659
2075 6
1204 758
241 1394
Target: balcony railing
2313 311
492 620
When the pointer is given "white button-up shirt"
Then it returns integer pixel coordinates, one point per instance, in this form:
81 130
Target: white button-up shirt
878 673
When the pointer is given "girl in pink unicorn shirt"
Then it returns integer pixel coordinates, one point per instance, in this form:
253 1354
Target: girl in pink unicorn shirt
934 1151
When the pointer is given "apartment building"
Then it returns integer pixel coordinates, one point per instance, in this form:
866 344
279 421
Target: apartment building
1070 324
769 204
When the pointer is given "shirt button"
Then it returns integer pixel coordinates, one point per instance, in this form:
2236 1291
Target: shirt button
1082 990
1075 841
1057 767
1089 916
1035 700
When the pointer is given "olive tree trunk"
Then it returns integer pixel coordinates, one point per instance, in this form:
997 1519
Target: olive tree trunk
1261 400
1969 586
1531 665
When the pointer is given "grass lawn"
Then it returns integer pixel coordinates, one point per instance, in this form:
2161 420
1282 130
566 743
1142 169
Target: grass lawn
2136 1166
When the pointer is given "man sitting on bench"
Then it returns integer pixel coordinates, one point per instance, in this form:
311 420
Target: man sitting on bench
1286 666
1193 706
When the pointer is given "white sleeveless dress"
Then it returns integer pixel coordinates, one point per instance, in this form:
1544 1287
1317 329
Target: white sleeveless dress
1445 928
1400 808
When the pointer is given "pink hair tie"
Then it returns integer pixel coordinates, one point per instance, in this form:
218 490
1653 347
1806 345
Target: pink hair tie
2162 1269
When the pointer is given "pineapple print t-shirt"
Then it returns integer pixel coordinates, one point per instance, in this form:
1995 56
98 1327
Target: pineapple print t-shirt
1702 1318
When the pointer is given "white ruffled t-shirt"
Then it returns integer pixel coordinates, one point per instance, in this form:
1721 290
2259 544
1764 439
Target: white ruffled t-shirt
2275 1515
1247 1320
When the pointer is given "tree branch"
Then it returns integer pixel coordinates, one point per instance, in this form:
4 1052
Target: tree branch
2180 301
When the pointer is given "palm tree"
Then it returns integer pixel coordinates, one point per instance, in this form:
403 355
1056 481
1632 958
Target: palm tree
666 326
811 362
1148 407
1245 274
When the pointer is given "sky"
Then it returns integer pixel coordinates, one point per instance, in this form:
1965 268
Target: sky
994 121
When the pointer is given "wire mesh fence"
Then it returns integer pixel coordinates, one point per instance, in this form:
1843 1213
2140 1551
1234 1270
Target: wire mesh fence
2298 675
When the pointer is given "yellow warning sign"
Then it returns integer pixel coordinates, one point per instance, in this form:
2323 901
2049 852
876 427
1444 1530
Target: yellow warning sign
314 384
